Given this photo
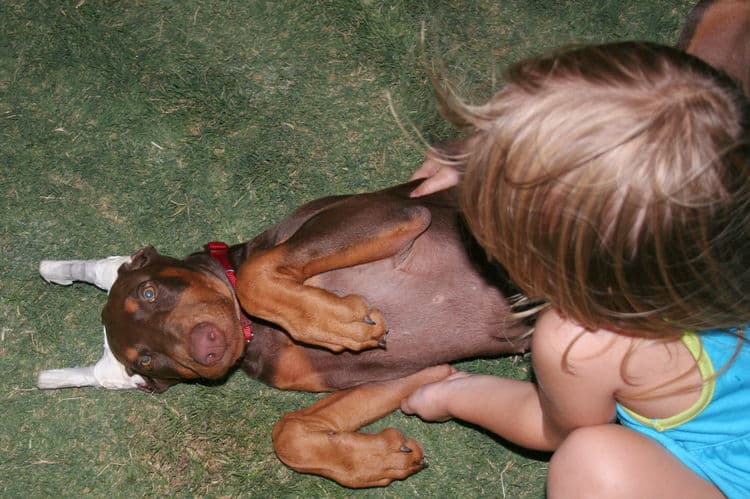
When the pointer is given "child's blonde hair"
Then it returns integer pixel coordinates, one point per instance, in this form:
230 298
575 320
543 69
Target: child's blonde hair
613 181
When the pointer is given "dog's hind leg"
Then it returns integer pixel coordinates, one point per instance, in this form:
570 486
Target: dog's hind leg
322 439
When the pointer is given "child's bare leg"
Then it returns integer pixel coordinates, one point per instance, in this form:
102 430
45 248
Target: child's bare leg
611 461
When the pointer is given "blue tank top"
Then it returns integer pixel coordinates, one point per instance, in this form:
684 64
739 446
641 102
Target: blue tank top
713 436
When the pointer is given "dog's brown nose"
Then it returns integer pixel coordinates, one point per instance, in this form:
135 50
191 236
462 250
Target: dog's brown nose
207 343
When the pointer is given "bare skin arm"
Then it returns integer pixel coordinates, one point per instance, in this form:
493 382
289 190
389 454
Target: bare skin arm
534 415
483 400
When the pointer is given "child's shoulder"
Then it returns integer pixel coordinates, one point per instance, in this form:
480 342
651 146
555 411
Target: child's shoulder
556 336
568 353
614 357
577 370
625 366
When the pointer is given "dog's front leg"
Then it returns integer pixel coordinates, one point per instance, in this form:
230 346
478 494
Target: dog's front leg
323 440
271 282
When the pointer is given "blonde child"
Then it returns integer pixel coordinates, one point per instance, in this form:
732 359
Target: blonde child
613 184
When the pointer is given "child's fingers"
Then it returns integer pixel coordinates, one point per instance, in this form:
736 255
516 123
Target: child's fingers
421 401
428 401
427 169
444 178
458 375
406 406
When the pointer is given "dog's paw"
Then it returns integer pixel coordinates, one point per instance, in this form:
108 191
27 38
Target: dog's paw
379 459
350 324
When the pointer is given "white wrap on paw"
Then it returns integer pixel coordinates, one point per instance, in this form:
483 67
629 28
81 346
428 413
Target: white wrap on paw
107 373
101 273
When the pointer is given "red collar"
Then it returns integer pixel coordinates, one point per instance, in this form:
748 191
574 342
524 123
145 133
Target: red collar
220 252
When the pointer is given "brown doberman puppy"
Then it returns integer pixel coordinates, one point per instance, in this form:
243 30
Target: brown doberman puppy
355 291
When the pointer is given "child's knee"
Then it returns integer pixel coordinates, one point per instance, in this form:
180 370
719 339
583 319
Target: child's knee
585 464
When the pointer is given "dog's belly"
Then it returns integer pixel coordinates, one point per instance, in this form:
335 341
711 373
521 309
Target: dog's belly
438 308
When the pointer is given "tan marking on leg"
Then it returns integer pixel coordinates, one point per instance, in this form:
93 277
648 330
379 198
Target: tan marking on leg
322 438
294 371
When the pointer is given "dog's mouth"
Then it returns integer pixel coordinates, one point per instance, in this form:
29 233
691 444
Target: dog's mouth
208 344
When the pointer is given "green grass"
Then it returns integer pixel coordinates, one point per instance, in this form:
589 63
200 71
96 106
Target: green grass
174 123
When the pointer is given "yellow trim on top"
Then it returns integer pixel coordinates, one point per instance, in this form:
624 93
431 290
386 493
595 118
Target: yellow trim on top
693 343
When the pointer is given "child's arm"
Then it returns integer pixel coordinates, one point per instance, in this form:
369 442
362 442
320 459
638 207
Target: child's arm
506 407
535 415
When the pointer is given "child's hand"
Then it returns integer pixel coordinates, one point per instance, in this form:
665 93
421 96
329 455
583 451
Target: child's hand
438 177
430 402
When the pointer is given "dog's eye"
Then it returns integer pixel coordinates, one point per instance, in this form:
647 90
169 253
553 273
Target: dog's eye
145 361
148 292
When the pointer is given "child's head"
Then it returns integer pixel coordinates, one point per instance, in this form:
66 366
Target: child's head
614 182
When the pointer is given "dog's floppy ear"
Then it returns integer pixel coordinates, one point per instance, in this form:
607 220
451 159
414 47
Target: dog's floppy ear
140 259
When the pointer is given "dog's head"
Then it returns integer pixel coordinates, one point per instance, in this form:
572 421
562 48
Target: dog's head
171 320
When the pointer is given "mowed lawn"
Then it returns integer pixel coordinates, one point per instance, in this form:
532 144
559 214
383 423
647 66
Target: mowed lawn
174 123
